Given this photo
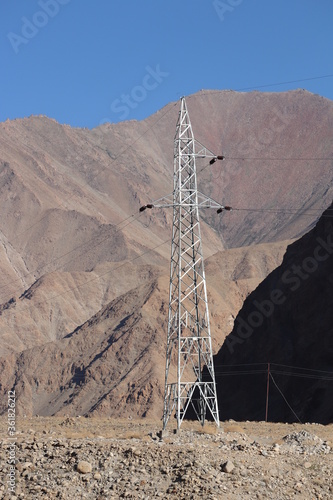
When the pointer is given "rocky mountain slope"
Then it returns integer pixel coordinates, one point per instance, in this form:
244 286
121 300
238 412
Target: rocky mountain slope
114 362
288 322
64 187
82 266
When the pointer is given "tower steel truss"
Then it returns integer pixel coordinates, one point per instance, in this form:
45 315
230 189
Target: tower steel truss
189 345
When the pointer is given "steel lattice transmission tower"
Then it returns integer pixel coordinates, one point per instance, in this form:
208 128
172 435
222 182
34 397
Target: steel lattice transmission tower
189 345
188 322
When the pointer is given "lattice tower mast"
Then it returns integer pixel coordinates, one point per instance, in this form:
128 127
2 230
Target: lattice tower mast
189 345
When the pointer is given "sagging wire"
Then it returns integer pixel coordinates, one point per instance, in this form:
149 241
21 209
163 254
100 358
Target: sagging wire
272 378
96 278
134 217
113 160
263 86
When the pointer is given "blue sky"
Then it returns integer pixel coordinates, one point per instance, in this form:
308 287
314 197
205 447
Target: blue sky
86 61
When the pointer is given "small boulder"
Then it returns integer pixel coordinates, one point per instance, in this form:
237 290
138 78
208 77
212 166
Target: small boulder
84 467
228 467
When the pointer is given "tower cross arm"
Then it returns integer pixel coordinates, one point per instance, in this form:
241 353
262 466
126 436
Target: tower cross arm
203 201
202 151
207 202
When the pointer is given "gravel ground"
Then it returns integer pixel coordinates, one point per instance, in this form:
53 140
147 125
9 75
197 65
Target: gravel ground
92 458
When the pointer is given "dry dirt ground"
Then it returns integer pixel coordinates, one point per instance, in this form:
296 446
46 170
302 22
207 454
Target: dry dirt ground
95 458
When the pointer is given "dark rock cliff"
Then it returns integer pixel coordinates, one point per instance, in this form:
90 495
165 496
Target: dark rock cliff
287 322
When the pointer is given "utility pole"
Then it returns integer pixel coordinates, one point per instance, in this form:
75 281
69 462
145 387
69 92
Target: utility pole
267 390
189 345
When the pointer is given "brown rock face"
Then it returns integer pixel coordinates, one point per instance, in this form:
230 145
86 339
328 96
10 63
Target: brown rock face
82 267
287 322
63 190
113 364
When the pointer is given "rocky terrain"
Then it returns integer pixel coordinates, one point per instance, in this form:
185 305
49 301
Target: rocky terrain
96 458
84 289
114 362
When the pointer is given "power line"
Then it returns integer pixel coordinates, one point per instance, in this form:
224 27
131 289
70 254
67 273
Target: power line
135 217
61 204
269 372
113 160
271 376
262 158
245 364
302 368
302 375
294 210
287 211
275 368
71 251
287 82
289 374
276 372
320 212
321 77
275 364
252 372
72 289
